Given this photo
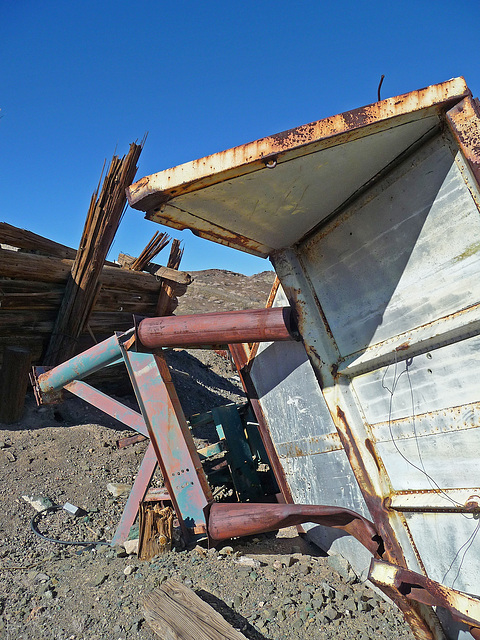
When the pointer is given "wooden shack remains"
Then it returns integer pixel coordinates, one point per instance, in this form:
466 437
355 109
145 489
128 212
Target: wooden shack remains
33 276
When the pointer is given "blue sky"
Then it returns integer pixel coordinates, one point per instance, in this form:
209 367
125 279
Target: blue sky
80 80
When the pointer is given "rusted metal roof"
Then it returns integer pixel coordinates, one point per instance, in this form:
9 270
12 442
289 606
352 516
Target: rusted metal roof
268 194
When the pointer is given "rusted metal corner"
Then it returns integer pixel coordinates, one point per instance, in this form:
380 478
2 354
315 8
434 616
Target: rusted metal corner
419 588
151 192
464 122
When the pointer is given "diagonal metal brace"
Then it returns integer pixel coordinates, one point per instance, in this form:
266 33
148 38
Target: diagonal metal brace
417 587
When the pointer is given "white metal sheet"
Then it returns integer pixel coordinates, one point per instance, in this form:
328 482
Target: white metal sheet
442 378
384 267
276 207
449 544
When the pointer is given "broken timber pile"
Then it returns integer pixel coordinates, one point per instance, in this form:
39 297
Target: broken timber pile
33 275
107 207
175 612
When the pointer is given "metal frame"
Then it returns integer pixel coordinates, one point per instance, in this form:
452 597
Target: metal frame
286 194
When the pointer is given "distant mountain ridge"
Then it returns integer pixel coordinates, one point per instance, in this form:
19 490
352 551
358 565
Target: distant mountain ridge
222 290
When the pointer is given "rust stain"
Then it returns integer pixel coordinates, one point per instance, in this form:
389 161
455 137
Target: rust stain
417 587
464 122
210 232
373 453
374 502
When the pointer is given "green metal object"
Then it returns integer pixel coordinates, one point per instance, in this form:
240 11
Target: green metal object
238 454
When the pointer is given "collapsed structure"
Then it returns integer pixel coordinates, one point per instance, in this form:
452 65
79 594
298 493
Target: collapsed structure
371 221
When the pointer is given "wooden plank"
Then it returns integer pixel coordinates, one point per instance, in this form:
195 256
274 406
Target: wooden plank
122 279
37 295
175 612
27 266
24 239
30 267
22 322
167 273
167 300
13 383
29 300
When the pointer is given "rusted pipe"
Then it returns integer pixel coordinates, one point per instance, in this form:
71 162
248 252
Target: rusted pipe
234 520
78 367
229 327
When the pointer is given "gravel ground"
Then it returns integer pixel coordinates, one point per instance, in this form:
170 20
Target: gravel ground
270 587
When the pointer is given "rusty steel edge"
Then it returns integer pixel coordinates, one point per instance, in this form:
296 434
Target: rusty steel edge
420 588
154 190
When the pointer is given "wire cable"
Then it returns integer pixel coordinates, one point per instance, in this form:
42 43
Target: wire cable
34 528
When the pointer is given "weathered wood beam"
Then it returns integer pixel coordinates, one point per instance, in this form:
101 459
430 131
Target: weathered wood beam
29 266
166 273
175 612
13 383
167 300
24 239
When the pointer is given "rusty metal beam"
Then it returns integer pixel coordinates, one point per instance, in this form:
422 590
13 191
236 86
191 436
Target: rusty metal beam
236 520
137 494
78 367
171 439
422 589
206 329
112 407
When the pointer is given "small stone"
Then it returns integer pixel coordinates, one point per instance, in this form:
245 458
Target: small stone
330 612
99 579
39 503
329 591
237 601
340 565
129 569
200 550
245 561
131 546
288 561
117 489
305 569
226 551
